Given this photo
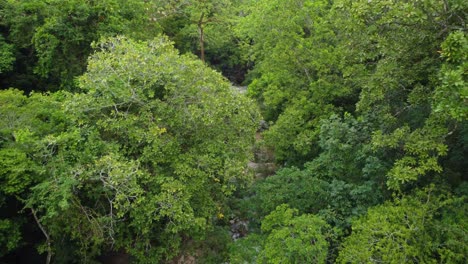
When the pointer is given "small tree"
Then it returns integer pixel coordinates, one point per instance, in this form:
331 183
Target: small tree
294 239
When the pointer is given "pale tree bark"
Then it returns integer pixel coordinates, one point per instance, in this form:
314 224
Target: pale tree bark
201 37
48 242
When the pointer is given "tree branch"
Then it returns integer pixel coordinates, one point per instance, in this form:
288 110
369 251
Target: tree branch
49 249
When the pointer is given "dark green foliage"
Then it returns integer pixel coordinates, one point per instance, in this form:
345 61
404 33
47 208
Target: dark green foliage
247 249
10 235
188 23
214 246
6 56
342 182
52 39
299 189
395 59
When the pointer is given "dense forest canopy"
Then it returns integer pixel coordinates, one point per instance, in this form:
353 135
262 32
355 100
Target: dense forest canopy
124 136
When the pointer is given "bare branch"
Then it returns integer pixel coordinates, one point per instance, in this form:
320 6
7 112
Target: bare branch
48 241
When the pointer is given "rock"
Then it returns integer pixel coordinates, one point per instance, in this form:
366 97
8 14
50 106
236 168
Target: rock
239 228
263 126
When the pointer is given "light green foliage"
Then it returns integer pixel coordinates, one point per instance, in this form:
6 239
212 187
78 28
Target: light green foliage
451 96
23 121
192 108
451 228
296 74
422 148
14 166
390 234
294 239
157 143
409 230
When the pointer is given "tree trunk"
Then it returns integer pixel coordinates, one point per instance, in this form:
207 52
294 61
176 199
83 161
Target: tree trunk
201 37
